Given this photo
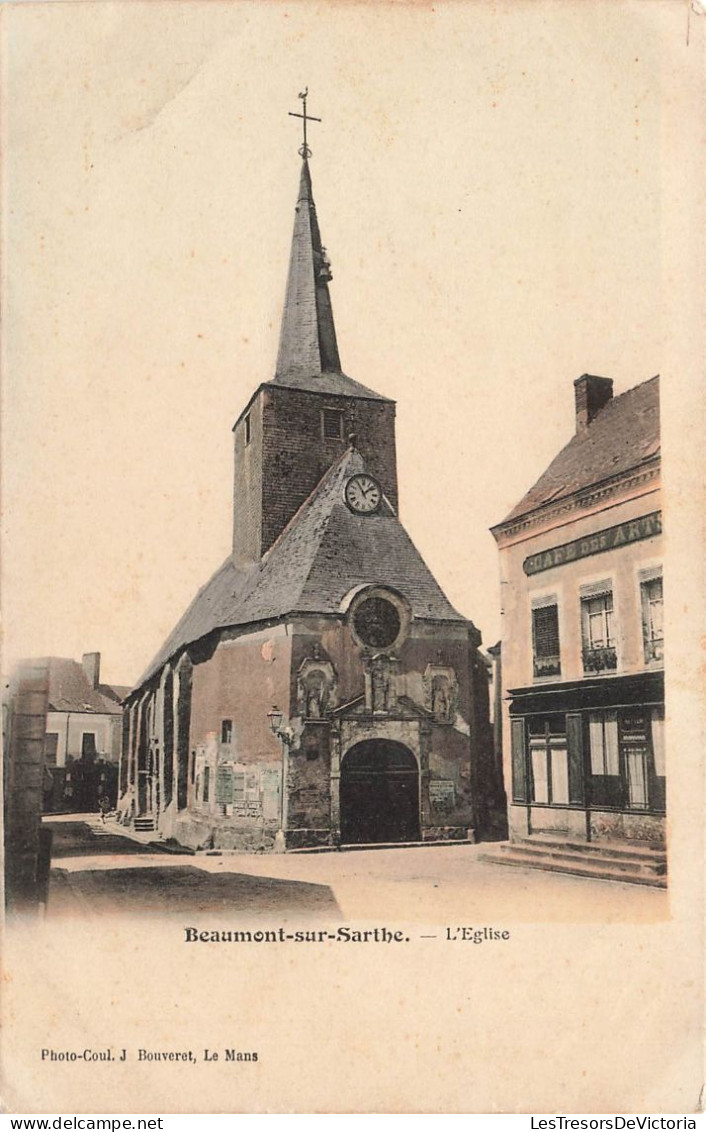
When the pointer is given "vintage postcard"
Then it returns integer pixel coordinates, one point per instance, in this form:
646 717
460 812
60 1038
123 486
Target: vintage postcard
353 573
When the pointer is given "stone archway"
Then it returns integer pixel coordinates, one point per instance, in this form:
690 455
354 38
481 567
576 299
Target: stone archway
379 793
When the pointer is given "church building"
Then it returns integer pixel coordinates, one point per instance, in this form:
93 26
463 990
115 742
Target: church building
320 690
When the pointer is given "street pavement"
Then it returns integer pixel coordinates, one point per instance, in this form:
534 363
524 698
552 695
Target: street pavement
100 870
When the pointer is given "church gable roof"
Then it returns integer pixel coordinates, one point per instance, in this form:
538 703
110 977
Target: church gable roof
623 435
323 553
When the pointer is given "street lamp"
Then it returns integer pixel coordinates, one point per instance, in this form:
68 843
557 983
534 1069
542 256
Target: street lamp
275 718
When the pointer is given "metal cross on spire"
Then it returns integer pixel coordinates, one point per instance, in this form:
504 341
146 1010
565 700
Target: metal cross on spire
304 150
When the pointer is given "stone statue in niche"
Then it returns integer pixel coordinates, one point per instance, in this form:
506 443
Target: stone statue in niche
316 687
381 683
440 697
316 693
441 693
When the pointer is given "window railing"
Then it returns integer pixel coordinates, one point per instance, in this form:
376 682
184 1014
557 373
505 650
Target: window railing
600 659
547 666
654 650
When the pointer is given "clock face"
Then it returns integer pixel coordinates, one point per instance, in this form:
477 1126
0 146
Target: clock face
363 494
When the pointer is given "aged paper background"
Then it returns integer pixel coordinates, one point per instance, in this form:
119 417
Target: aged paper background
512 194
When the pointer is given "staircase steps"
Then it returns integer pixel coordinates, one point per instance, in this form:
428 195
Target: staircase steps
637 863
144 824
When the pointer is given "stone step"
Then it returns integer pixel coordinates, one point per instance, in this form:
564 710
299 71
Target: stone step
596 872
634 849
579 864
655 865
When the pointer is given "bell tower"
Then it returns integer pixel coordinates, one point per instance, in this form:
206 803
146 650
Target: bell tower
300 423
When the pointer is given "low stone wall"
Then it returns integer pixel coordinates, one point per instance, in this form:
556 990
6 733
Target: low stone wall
203 833
448 833
308 838
636 827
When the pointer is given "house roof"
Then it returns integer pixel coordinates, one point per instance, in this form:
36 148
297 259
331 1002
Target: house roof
71 690
622 436
323 553
308 350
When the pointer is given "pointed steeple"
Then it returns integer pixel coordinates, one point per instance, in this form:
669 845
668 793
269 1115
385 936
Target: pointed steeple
307 344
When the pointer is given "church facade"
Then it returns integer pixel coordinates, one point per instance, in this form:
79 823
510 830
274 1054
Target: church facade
320 690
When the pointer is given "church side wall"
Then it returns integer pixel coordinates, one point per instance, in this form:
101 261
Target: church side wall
236 762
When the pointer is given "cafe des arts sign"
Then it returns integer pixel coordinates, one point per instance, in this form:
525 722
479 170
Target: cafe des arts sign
612 537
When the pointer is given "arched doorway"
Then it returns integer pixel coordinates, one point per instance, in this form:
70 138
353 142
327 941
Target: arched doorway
379 793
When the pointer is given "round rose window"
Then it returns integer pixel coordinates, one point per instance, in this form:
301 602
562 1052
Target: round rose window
377 622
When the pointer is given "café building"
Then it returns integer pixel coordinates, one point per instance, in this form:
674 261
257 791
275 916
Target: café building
583 645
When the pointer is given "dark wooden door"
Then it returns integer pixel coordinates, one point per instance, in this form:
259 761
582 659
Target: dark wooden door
379 794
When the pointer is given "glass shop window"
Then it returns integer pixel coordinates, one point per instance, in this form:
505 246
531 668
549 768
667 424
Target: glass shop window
549 761
603 742
658 741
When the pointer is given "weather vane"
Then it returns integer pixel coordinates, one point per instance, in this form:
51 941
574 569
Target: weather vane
304 150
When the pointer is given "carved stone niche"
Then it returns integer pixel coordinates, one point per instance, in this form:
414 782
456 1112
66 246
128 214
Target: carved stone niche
380 683
316 688
441 692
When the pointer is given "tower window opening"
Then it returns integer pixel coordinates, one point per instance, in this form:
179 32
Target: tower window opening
332 424
246 423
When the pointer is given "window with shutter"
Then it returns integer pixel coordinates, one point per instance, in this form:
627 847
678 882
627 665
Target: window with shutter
545 641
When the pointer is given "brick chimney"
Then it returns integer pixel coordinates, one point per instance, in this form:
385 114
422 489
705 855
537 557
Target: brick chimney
592 394
91 662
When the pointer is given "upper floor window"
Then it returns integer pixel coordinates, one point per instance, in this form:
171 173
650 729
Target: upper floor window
545 639
598 628
332 424
227 731
652 624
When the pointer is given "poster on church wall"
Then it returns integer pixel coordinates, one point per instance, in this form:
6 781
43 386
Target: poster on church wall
342 345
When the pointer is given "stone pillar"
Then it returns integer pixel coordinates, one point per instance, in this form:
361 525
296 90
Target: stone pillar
336 784
27 845
425 817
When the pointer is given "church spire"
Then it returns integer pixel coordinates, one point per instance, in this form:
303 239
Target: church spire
307 344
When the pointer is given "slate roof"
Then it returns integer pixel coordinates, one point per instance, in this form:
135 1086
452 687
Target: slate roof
308 351
323 553
624 435
71 690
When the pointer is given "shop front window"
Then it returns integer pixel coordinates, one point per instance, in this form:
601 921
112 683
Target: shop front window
549 761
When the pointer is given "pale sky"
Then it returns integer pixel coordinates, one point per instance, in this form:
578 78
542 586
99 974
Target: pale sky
494 184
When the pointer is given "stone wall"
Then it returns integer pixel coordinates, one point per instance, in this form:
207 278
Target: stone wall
26 844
